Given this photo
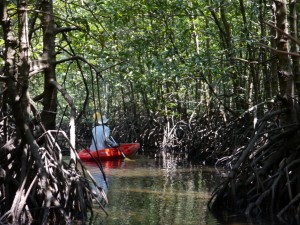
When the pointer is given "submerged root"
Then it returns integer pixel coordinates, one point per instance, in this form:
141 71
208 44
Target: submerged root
59 192
264 177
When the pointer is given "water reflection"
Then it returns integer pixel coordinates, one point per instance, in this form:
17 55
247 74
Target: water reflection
143 192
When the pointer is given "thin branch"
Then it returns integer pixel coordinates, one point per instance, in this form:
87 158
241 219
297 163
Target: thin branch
279 51
284 33
65 29
82 59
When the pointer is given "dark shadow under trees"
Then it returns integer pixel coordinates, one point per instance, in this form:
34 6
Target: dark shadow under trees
37 185
263 174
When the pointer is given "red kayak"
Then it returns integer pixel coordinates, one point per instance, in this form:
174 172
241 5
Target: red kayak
129 149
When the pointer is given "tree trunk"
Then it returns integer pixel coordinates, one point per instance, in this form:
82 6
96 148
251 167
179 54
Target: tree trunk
268 91
285 73
253 75
294 45
50 91
274 79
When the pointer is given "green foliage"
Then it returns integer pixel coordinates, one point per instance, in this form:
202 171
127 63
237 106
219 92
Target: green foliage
160 54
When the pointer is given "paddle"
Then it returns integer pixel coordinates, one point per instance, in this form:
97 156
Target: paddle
120 150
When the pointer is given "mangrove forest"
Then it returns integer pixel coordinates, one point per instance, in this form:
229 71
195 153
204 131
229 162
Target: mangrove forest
213 82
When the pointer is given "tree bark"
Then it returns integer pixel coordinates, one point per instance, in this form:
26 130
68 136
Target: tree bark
285 73
294 45
50 92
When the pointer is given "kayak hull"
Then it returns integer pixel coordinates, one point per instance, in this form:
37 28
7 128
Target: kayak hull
129 149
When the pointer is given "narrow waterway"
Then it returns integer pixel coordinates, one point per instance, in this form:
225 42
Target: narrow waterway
146 191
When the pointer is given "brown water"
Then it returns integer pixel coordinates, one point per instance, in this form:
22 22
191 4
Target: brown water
148 192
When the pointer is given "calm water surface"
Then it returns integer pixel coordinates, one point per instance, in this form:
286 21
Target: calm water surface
145 191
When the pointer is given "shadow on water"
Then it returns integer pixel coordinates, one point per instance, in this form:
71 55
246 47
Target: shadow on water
144 192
